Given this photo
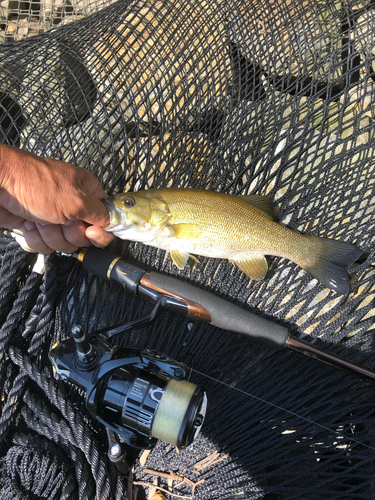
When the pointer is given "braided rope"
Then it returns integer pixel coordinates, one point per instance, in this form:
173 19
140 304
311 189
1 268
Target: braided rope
93 470
102 469
58 427
36 468
21 307
85 480
12 404
14 264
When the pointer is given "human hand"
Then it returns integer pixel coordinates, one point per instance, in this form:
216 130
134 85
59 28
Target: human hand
51 202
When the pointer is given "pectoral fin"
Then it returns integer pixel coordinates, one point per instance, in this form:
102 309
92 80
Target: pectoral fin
185 231
255 267
179 258
264 203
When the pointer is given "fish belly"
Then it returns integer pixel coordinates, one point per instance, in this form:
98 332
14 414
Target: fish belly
238 242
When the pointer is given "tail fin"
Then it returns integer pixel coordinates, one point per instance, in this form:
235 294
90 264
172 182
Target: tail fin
330 265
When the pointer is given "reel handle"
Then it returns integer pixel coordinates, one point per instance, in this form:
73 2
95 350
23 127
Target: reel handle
200 305
193 302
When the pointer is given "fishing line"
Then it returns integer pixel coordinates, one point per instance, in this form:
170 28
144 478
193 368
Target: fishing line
169 293
306 419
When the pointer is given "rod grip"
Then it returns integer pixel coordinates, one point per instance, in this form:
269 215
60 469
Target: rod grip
111 267
222 313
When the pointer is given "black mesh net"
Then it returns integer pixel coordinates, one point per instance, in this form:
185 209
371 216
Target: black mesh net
261 96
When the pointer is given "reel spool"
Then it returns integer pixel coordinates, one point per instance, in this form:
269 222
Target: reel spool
140 395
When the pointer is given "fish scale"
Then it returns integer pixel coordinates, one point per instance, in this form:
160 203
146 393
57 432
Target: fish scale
237 226
242 229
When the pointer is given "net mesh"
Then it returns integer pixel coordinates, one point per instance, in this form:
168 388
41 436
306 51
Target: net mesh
265 97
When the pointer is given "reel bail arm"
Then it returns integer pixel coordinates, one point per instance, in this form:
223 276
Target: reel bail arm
140 395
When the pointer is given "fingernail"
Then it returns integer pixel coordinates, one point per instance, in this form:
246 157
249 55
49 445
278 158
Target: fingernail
68 223
29 226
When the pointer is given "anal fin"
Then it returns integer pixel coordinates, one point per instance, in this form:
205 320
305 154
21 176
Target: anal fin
255 267
179 258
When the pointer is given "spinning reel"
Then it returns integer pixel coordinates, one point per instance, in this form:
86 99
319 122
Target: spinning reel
141 395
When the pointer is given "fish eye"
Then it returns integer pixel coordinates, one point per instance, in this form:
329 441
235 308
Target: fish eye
129 202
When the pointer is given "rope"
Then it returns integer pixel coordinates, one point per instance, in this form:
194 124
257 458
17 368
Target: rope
25 466
36 468
108 483
14 265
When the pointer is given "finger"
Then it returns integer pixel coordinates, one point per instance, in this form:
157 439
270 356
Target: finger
91 210
100 193
88 181
33 238
53 237
74 233
10 221
16 216
98 236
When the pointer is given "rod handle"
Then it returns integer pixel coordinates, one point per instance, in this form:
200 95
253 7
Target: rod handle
205 306
111 267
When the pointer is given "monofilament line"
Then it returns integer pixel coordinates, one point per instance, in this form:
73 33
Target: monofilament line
285 410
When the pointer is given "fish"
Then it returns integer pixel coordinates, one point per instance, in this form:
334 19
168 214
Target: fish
241 228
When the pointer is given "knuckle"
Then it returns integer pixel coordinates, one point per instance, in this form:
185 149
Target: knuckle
75 210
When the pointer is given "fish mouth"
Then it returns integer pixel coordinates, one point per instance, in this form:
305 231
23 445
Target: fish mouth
115 222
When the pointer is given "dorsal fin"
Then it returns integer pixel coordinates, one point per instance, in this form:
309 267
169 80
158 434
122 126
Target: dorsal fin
264 203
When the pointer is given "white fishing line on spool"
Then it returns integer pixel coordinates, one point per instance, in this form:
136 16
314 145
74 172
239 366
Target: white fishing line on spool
170 414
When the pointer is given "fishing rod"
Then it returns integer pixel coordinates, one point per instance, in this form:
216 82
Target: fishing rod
196 304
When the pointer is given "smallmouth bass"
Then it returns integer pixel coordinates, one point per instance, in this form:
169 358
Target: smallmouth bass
240 228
